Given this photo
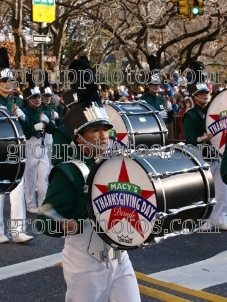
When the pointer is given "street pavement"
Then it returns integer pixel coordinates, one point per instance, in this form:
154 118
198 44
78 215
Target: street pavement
187 267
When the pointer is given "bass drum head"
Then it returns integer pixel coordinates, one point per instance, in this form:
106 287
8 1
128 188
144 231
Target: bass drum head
216 120
12 141
120 202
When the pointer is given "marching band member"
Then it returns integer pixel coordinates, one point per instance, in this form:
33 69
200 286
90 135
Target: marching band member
194 131
17 202
87 278
151 97
50 110
34 124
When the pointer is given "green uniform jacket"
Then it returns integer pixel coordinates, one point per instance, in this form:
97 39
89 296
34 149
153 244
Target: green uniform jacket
8 102
224 166
32 117
157 102
193 125
48 111
66 194
61 153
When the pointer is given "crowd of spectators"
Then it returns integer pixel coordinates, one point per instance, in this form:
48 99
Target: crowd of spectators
173 88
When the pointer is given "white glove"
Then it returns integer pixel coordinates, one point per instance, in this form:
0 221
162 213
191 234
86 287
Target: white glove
20 114
39 126
168 106
44 118
56 116
163 113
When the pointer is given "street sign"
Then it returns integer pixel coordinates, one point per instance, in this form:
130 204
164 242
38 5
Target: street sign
49 58
41 39
43 11
31 52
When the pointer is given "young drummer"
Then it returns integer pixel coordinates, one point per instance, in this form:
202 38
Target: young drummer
194 132
87 278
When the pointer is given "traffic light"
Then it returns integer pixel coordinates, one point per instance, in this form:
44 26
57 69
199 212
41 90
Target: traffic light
197 7
184 7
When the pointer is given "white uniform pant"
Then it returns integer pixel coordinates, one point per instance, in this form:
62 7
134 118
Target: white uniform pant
88 280
18 209
220 209
36 172
48 144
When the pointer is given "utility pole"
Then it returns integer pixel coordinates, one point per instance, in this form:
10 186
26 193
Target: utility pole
41 49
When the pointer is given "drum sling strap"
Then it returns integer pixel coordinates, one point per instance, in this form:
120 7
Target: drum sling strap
96 243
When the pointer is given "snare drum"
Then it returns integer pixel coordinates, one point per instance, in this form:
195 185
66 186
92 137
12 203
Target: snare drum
11 162
131 200
216 120
137 123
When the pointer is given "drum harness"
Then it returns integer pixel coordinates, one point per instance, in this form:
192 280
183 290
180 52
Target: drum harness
108 253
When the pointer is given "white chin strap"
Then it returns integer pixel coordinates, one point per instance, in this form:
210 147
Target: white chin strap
203 101
37 105
99 147
6 90
154 90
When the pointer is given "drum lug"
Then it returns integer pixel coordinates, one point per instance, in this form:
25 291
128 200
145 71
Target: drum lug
98 160
86 188
161 215
166 174
206 166
153 176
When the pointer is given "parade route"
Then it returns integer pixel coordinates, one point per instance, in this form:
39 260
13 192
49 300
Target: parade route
182 268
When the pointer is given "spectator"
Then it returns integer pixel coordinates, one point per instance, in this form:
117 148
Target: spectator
131 96
175 106
116 93
189 103
175 81
123 91
123 99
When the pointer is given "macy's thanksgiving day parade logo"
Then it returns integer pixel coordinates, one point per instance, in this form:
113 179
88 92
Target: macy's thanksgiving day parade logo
125 201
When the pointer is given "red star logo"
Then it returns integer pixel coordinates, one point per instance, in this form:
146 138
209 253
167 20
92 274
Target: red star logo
120 136
216 117
114 217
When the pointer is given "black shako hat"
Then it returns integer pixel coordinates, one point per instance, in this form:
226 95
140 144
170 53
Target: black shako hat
46 91
198 82
32 89
197 87
86 108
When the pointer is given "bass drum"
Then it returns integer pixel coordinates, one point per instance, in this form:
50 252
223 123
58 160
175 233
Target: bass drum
216 120
132 200
136 123
12 142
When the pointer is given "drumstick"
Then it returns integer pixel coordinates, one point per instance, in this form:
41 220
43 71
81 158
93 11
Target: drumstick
49 211
202 138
